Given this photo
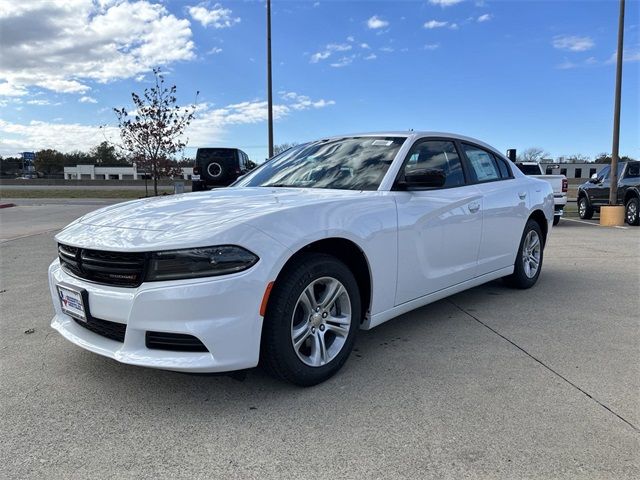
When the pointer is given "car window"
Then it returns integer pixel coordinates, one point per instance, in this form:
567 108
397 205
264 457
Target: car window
350 163
437 155
633 171
483 165
531 169
505 172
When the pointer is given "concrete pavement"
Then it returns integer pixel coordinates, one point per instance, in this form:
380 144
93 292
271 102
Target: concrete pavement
491 383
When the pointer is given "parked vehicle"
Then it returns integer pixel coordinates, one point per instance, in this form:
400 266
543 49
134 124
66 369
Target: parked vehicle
559 183
595 193
342 234
218 167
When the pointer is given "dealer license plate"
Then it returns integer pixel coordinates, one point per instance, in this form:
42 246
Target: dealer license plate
71 303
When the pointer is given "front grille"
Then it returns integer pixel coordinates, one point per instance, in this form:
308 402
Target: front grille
178 342
122 269
111 330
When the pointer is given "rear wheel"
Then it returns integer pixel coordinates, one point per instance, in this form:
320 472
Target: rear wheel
584 209
631 211
529 258
556 220
311 321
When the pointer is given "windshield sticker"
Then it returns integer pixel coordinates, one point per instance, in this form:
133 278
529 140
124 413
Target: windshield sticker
382 143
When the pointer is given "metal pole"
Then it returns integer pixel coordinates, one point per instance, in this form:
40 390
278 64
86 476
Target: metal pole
269 87
613 190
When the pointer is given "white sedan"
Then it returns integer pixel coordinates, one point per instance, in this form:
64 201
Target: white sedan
286 266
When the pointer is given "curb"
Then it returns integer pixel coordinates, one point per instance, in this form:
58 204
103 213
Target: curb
7 205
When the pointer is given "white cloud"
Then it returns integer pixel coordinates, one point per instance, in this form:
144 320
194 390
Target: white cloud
484 18
431 46
375 22
316 57
214 51
39 102
343 62
386 49
566 65
573 43
87 99
37 135
454 26
371 56
328 50
61 45
431 24
10 90
338 47
209 126
365 46
628 55
217 17
444 3
350 39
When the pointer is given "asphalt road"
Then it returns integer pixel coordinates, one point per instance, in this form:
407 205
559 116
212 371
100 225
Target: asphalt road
491 383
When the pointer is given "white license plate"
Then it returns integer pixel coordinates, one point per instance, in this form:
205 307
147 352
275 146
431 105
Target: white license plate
71 303
195 177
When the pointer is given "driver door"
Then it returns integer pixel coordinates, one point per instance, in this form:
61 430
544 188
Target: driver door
439 229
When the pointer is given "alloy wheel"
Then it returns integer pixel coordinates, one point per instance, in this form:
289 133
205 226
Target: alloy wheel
531 253
632 212
320 322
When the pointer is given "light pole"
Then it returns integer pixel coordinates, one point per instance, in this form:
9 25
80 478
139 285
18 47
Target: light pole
269 87
613 191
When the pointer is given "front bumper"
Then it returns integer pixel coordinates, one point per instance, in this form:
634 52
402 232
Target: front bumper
222 312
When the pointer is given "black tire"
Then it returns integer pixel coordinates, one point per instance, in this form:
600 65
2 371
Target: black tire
277 354
556 220
631 209
521 276
584 209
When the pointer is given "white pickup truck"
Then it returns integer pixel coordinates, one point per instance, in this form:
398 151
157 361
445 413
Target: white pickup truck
559 184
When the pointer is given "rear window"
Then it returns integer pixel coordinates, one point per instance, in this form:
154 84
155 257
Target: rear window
215 154
529 169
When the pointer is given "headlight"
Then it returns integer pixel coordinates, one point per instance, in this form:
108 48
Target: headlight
199 262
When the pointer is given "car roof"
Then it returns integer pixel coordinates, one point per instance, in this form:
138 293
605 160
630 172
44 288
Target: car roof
416 134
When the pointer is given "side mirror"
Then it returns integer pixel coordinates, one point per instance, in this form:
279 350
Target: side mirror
594 178
423 178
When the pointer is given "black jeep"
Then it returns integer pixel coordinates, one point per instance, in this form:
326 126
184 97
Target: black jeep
219 167
595 193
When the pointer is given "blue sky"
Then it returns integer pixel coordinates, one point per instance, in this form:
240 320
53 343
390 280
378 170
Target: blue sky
512 73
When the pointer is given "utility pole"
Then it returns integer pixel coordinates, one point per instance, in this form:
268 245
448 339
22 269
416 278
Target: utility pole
613 191
269 86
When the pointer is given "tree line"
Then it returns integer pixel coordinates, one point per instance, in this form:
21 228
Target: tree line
537 154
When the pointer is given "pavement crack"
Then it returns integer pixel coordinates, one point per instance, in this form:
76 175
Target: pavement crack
533 357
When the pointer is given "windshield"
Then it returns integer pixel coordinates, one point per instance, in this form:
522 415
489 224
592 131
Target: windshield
604 173
529 169
353 163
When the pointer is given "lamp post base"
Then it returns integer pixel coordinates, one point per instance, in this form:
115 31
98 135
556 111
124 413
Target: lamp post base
612 215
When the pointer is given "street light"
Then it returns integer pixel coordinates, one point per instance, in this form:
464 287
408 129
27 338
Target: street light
613 191
269 87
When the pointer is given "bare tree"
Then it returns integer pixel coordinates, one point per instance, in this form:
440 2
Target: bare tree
281 147
153 132
532 154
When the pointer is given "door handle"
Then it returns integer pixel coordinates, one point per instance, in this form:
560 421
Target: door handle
474 207
522 195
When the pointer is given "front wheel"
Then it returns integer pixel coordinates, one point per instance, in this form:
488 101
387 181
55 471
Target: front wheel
529 258
631 211
311 320
584 209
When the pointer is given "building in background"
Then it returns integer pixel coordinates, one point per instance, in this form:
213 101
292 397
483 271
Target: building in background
571 170
96 172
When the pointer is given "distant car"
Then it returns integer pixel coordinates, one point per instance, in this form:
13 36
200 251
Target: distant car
219 167
559 183
287 266
595 193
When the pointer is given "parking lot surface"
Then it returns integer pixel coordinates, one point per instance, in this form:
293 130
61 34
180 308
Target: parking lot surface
491 383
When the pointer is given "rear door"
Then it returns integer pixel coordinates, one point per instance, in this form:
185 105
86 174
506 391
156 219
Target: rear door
504 207
438 229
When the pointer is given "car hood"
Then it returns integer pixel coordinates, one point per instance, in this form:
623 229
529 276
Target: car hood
187 218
